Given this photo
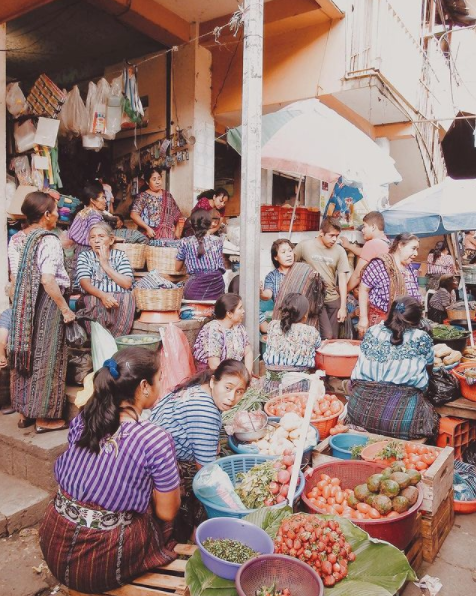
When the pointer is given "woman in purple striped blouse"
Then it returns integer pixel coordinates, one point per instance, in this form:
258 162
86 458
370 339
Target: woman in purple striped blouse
118 481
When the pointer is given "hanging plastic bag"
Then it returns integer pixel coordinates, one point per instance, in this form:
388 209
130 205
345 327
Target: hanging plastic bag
176 359
98 122
15 100
443 387
79 366
21 165
24 135
73 116
114 108
75 335
103 345
90 103
133 111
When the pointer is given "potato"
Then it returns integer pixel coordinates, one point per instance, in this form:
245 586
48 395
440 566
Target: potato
438 362
452 358
442 350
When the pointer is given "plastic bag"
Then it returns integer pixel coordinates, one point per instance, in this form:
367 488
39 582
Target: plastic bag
24 135
443 387
75 335
215 485
15 100
469 455
176 359
73 116
103 345
79 366
114 108
98 113
21 165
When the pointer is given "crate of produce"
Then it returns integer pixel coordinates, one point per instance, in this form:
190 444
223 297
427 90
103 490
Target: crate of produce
435 528
454 432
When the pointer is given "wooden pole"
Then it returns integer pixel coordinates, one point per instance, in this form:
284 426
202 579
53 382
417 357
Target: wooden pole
3 168
251 168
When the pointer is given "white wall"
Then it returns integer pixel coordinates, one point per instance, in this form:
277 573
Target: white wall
3 171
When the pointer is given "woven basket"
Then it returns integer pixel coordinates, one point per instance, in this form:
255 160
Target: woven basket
135 253
454 315
162 258
158 300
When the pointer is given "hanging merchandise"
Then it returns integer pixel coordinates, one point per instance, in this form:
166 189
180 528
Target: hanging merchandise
15 100
73 116
98 124
114 108
21 165
47 132
133 111
24 135
91 140
45 98
90 101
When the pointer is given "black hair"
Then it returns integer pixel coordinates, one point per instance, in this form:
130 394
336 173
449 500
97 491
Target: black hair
226 303
101 413
439 248
375 218
293 309
206 194
275 247
91 190
329 223
446 282
402 239
221 191
234 287
119 216
36 204
229 367
201 221
405 313
152 170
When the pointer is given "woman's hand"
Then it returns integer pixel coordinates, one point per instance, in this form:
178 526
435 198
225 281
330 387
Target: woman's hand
103 256
149 232
342 314
109 301
362 326
68 315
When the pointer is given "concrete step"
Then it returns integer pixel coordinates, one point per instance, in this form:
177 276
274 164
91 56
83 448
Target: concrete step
29 456
21 504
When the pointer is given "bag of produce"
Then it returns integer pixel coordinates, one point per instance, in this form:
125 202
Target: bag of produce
215 485
103 345
443 387
75 335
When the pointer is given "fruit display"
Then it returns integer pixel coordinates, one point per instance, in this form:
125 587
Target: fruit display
284 436
384 495
266 484
413 456
327 406
338 429
319 543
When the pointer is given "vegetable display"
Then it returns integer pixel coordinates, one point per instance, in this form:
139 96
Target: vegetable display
413 456
253 399
338 429
266 484
319 543
272 591
327 406
232 551
446 332
149 339
284 436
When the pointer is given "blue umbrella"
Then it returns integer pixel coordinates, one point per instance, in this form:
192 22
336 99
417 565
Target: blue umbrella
441 209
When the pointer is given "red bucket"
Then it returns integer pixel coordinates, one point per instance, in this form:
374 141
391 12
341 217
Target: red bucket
399 531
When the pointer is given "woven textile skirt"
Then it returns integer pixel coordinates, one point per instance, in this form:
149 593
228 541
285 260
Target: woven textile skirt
41 394
395 411
376 315
192 512
118 321
95 561
204 286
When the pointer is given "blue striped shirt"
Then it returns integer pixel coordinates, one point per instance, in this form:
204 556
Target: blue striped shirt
137 459
273 282
211 261
382 362
194 422
89 268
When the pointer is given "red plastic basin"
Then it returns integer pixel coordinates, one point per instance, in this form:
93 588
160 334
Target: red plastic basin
397 530
337 365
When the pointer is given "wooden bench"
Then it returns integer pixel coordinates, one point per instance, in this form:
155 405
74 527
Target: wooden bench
459 408
164 581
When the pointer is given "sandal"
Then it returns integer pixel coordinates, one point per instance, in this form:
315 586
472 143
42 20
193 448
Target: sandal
8 410
44 425
25 422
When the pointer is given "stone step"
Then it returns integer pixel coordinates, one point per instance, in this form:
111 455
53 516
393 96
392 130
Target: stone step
29 456
21 504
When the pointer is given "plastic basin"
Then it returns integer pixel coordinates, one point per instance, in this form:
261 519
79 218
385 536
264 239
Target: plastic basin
149 341
341 444
397 530
336 365
281 570
234 529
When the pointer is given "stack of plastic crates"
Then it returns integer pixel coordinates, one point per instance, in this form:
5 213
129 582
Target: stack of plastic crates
300 223
456 433
270 218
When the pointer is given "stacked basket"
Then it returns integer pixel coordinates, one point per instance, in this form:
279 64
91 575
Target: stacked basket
135 253
162 259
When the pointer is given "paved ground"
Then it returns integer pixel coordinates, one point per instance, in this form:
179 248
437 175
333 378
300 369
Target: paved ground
23 574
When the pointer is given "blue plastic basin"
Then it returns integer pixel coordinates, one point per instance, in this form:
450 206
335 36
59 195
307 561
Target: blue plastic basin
341 444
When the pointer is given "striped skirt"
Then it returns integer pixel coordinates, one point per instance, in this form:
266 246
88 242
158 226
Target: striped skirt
204 286
95 561
118 321
395 411
41 394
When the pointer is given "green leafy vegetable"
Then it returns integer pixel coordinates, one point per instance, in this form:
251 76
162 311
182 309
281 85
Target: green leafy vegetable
392 449
202 582
269 519
252 400
445 332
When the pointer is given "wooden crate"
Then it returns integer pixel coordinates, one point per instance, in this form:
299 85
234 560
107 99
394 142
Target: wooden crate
165 581
414 551
437 481
435 528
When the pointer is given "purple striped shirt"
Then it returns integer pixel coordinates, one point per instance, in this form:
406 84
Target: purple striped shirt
211 261
119 479
376 278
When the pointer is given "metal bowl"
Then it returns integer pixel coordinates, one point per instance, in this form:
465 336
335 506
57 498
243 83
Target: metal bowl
254 435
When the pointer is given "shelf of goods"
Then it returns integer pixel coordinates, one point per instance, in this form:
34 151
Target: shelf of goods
437 482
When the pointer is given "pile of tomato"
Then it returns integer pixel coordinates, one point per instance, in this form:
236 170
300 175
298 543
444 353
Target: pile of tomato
327 406
319 543
330 498
418 457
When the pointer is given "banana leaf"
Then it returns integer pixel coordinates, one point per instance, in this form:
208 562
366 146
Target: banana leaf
380 569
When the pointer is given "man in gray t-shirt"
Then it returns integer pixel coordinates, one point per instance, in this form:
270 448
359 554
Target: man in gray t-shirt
330 261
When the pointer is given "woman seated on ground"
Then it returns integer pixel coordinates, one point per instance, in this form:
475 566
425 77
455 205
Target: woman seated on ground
105 277
118 483
202 255
225 337
192 415
442 299
439 262
391 375
291 345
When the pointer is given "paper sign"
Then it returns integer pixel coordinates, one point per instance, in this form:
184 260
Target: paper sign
46 132
40 162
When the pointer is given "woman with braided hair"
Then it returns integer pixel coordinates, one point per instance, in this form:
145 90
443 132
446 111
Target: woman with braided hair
202 255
